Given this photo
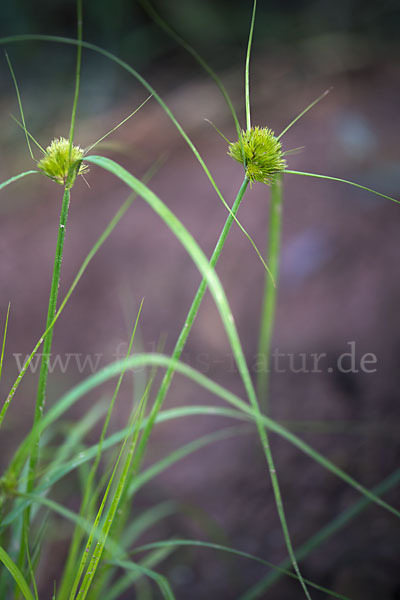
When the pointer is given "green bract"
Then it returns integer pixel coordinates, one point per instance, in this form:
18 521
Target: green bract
61 164
260 152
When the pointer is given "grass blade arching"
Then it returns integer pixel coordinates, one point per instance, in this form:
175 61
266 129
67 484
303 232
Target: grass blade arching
15 178
142 360
362 187
201 544
16 574
3 346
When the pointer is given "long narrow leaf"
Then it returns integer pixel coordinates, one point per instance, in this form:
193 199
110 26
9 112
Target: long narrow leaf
15 178
4 340
111 513
142 360
16 574
362 187
200 544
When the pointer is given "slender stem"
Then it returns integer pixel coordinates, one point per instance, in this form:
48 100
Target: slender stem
247 68
187 327
52 307
41 390
77 73
267 323
270 292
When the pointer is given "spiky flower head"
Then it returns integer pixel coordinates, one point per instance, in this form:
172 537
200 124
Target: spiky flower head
260 152
61 165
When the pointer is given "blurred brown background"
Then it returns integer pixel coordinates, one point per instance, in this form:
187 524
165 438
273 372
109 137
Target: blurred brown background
339 271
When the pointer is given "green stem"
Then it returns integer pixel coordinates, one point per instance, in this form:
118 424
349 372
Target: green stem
41 390
270 292
77 74
247 68
187 327
267 324
52 307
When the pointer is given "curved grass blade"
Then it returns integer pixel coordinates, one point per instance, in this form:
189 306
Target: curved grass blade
15 178
4 339
160 580
221 301
74 518
19 103
200 544
88 497
56 474
142 360
142 478
362 187
16 574
151 560
111 513
129 69
323 534
103 137
100 241
146 520
164 25
193 250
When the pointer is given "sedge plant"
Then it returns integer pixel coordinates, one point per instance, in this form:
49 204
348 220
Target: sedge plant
260 153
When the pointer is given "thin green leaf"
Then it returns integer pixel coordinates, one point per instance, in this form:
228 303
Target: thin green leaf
88 497
226 316
193 250
4 339
159 467
142 360
129 69
103 137
362 187
103 237
111 513
19 103
30 567
79 15
28 133
151 560
15 178
322 535
247 67
270 291
228 549
16 574
160 580
164 25
303 112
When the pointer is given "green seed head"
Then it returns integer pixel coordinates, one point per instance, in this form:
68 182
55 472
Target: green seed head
260 153
61 166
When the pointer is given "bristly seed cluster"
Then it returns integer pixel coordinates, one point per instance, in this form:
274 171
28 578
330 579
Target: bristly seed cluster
61 166
260 152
